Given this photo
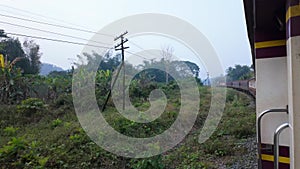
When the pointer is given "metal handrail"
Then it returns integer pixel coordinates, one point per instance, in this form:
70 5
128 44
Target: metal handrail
259 130
276 143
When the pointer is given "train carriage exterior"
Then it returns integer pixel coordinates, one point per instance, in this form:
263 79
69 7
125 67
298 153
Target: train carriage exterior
274 35
247 86
252 87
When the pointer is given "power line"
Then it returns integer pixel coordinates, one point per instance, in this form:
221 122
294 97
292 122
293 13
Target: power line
138 46
57 40
138 55
55 25
88 31
66 27
61 26
39 15
60 34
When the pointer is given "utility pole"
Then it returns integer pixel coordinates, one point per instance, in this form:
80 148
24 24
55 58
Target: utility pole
208 79
122 48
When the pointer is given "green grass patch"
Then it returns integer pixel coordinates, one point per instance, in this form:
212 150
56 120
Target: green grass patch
52 137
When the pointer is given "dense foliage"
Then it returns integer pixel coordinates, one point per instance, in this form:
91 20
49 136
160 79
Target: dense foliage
239 73
39 127
28 55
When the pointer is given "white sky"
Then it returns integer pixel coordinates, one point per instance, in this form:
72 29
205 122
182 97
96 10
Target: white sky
222 22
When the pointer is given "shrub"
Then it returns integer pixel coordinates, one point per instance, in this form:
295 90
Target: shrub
56 123
10 131
64 99
67 124
150 163
79 137
18 153
31 106
244 127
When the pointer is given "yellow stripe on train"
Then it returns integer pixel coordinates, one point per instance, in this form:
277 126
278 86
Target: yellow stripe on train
266 157
267 44
293 11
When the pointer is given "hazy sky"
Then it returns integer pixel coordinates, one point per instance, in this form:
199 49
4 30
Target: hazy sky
222 22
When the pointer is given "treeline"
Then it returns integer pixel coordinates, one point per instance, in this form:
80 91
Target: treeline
144 78
19 77
155 70
26 56
239 72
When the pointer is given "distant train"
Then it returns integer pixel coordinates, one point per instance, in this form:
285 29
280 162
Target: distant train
247 86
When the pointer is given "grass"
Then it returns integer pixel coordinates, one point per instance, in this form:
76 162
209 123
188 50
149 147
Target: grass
55 139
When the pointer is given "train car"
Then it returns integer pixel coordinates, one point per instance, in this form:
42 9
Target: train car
252 87
274 36
229 84
236 84
246 86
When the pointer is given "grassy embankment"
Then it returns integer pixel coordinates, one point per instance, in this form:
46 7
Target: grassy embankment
50 136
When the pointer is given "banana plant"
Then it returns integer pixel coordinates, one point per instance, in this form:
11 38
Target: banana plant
10 77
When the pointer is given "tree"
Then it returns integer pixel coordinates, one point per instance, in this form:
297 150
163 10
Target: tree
239 73
167 54
106 62
2 34
155 70
12 49
29 59
194 68
33 54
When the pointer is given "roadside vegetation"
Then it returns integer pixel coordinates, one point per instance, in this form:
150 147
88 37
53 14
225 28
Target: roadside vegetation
39 127
36 134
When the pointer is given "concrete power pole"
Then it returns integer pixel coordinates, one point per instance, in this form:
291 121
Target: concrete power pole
122 48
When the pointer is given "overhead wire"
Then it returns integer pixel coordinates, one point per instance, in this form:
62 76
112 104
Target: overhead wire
62 26
137 55
55 25
56 40
60 34
39 15
150 53
136 45
51 32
